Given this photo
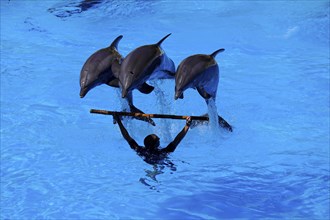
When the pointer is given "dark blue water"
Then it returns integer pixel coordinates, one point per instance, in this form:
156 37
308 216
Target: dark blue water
58 161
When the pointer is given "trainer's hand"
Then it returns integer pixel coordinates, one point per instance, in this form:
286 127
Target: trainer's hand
188 121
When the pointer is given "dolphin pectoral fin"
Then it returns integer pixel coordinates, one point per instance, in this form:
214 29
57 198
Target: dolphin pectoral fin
146 89
115 68
136 110
223 123
181 96
114 83
168 74
203 93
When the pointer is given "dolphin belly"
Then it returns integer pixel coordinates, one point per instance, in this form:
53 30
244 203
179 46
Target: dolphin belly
209 80
165 70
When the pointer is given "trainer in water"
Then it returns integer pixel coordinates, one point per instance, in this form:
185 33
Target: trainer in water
144 63
151 153
200 72
97 70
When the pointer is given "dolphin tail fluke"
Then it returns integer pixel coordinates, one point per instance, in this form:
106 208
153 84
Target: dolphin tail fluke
161 41
146 89
216 52
136 110
116 41
222 122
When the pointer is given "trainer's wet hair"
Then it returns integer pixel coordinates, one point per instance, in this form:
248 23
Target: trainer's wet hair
151 141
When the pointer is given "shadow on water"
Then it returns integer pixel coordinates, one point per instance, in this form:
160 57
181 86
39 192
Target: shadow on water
74 7
157 168
111 8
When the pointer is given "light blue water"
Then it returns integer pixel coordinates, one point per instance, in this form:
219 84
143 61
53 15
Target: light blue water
60 162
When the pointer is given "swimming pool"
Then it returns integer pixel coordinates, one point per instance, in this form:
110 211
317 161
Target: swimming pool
58 161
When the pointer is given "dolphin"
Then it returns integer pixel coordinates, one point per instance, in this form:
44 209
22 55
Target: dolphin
145 63
99 69
200 72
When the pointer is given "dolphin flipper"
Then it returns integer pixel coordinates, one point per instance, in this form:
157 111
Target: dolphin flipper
145 88
114 83
136 110
203 93
167 74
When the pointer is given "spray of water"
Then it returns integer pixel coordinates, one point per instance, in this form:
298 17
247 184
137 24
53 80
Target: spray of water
213 113
124 106
164 107
132 125
123 102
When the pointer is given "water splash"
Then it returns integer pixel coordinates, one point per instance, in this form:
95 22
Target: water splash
213 114
164 107
123 102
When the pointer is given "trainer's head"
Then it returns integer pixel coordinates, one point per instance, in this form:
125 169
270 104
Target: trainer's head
151 142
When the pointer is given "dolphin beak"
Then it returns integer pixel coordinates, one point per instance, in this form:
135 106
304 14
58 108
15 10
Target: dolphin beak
83 92
124 93
177 94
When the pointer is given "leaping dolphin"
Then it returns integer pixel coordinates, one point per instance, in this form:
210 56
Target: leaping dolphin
142 64
200 72
99 69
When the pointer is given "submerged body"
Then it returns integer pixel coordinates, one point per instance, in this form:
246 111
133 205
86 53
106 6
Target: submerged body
142 64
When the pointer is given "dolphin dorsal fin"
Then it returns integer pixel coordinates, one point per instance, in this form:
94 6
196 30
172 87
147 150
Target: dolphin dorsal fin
116 41
161 41
216 52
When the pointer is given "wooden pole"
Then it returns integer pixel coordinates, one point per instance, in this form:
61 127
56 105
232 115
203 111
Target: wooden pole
133 114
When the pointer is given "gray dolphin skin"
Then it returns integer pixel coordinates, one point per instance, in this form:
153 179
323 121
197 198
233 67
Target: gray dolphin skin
101 68
200 72
145 63
97 69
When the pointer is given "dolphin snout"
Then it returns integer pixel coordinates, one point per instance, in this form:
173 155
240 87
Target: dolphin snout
177 94
83 92
124 93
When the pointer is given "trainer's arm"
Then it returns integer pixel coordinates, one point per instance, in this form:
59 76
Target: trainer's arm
132 143
172 146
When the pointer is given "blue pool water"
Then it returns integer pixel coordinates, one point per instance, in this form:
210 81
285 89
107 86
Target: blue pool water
58 161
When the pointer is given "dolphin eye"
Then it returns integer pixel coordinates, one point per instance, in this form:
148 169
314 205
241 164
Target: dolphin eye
131 72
